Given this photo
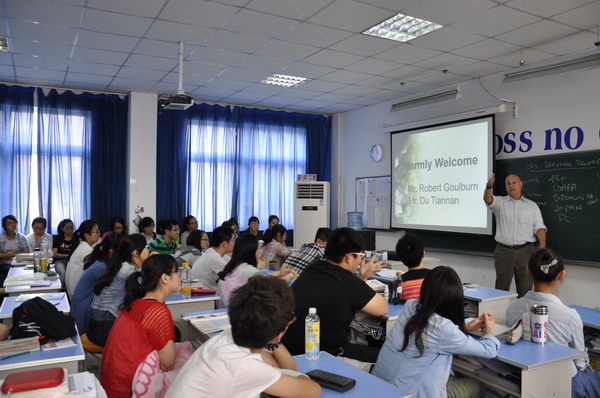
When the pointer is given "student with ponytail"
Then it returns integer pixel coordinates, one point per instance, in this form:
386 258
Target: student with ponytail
144 325
94 267
109 290
565 327
87 236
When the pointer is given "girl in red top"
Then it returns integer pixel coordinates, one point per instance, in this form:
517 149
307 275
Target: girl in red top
143 325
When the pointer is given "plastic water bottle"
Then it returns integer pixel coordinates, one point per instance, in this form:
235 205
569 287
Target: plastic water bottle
45 247
312 331
186 283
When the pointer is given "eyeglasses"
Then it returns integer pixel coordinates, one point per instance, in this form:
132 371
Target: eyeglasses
96 232
362 255
174 230
292 318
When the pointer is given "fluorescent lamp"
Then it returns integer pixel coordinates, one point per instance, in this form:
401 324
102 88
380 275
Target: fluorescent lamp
402 28
568 63
284 80
427 99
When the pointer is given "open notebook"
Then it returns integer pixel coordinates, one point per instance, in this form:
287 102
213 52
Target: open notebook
209 324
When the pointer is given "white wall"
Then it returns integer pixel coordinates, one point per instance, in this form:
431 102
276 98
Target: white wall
142 155
559 101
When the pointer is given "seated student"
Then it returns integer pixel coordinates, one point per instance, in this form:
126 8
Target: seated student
109 290
189 225
309 252
276 250
411 252
417 355
253 225
331 286
117 225
34 240
11 244
146 228
144 324
88 234
205 269
235 225
244 264
166 243
267 234
234 363
62 246
93 269
196 244
565 327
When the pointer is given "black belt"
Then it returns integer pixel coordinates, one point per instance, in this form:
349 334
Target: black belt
515 246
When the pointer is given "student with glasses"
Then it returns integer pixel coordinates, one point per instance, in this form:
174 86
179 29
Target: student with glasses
189 225
337 291
88 234
167 242
11 244
244 361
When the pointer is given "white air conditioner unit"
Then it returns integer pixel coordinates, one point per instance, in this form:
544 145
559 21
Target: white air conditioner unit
311 210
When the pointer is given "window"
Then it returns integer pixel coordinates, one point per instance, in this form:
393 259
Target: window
248 172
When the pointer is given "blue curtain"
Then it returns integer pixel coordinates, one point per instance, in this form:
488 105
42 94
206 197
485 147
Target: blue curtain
237 161
82 149
16 130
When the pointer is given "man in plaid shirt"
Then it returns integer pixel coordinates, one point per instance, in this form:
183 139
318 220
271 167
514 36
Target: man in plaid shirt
309 252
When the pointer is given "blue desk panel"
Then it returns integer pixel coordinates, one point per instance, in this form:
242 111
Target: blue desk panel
482 293
589 316
367 385
45 357
394 310
528 355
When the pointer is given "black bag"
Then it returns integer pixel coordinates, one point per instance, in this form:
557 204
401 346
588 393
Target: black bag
37 317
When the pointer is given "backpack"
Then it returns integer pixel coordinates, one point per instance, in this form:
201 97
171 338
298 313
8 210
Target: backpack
37 317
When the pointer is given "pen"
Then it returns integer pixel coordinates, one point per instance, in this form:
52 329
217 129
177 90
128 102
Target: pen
14 355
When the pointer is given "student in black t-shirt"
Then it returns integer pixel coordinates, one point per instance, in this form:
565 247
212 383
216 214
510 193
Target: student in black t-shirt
410 251
334 288
62 246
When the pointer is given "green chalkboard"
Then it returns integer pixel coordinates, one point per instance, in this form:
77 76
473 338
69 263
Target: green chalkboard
566 187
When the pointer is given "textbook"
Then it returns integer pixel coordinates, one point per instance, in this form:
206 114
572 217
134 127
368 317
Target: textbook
11 347
211 322
68 342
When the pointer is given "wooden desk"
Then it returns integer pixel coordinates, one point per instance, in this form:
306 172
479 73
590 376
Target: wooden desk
490 300
545 369
10 303
45 286
178 306
70 358
366 386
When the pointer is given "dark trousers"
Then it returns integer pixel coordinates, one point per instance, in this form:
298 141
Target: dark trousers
509 262
360 352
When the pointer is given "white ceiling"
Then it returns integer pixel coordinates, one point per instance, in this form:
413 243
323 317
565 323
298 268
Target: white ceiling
231 45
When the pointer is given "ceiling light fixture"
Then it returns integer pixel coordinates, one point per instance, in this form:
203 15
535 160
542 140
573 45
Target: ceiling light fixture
4 44
569 63
402 28
284 80
427 99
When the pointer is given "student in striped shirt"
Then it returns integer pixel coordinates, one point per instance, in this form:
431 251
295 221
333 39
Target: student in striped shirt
167 242
410 251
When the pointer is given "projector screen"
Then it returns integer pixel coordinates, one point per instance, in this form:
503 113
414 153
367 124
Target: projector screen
439 174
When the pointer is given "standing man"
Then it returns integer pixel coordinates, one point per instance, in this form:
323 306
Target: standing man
518 223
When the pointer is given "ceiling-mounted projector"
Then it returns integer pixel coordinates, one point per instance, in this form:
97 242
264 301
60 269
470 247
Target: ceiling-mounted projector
178 102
